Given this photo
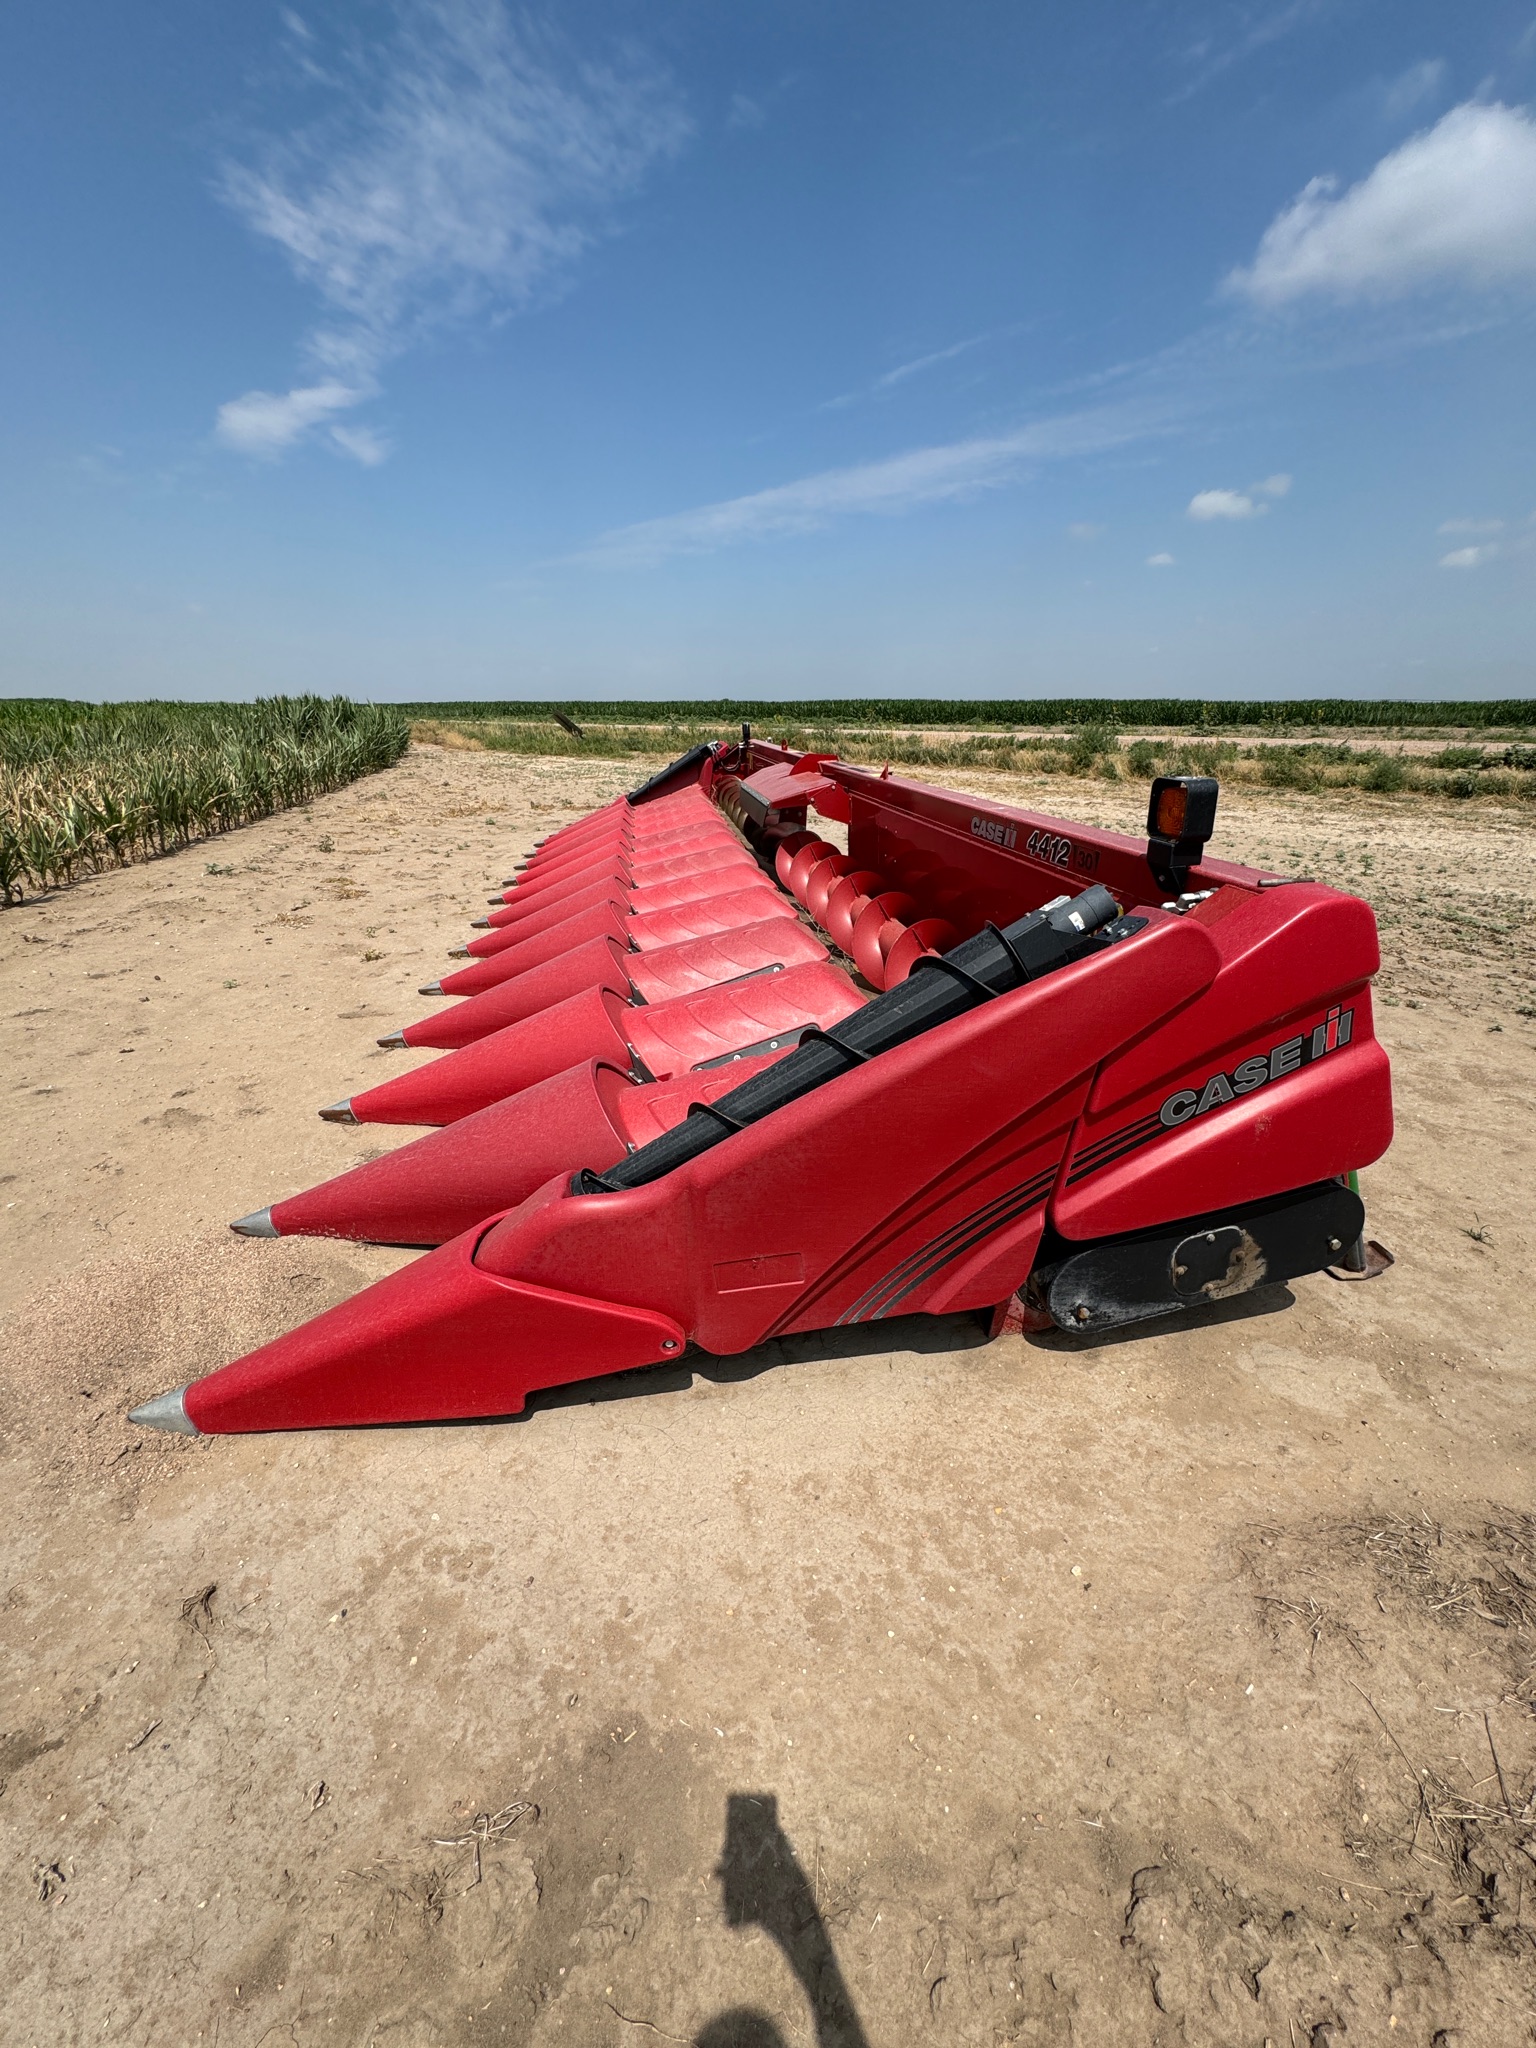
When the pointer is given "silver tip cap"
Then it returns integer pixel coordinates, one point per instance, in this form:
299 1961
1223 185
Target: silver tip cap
478 924
258 1224
392 1041
166 1411
462 952
339 1113
433 988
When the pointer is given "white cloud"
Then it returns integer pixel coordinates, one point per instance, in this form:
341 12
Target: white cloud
899 483
1467 558
1084 530
1470 526
1160 561
1455 205
1224 505
266 423
1247 504
468 164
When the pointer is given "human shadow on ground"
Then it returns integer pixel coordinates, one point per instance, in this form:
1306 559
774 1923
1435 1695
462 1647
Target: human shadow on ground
763 1885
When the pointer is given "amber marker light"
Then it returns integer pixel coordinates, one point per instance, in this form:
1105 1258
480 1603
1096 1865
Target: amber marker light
1172 803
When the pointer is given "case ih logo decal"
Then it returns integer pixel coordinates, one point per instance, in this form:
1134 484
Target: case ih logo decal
1334 1031
993 829
1184 1104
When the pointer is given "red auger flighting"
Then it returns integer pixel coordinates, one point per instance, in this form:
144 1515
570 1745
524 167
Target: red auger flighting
712 1080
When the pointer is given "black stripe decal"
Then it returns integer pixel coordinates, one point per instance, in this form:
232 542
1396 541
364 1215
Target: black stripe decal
1134 1140
1143 1126
860 1310
903 1278
1034 1196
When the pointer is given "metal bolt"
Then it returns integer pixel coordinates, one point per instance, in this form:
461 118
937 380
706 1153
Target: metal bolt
1081 1312
1335 1244
669 1343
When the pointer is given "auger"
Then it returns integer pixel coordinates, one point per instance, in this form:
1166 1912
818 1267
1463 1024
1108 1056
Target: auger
712 1077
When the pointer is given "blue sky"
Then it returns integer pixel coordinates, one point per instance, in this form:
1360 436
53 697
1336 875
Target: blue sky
441 349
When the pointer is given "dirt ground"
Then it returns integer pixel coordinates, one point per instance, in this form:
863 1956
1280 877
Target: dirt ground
881 1688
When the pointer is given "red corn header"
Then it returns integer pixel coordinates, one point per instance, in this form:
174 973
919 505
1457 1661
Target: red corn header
711 1078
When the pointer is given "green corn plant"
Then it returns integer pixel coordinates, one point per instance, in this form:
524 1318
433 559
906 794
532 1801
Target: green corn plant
13 866
84 786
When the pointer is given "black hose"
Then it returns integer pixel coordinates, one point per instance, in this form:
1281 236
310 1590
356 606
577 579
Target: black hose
969 975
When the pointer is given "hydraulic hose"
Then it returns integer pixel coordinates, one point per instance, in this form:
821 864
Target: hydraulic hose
940 986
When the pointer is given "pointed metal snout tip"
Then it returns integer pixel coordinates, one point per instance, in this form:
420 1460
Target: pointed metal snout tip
258 1224
433 988
339 1113
497 901
478 924
166 1411
392 1041
462 952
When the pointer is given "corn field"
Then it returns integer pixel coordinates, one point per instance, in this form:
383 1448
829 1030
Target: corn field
85 787
1514 717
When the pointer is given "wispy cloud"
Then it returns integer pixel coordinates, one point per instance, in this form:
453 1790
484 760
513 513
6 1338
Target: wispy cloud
1500 543
467 163
1467 558
928 362
363 444
1455 205
896 484
1400 96
889 381
1258 28
1160 562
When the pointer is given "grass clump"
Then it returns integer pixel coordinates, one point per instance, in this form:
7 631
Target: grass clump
90 786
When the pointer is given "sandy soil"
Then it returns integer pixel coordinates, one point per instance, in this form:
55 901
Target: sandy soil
883 1688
